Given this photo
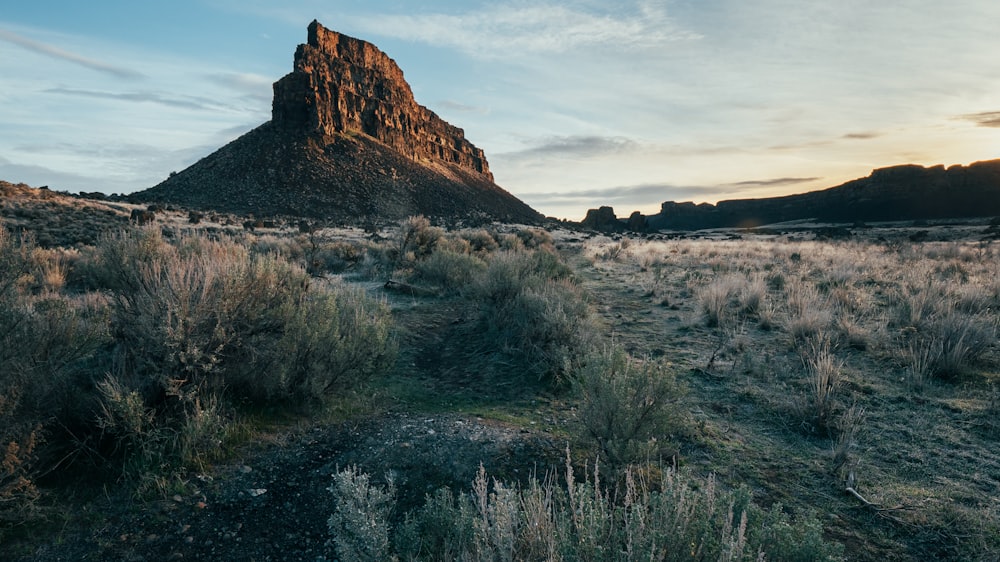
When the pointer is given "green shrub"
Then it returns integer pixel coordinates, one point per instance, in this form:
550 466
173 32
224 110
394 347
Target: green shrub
667 517
333 339
534 312
206 321
46 343
628 408
416 239
448 270
360 521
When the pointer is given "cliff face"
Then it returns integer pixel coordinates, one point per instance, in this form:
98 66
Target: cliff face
346 143
341 85
896 193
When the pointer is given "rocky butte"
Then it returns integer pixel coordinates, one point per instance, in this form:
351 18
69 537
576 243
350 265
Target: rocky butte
897 193
346 142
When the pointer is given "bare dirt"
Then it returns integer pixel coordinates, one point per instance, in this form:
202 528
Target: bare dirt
273 502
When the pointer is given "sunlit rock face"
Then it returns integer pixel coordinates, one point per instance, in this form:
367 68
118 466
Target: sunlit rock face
345 85
346 143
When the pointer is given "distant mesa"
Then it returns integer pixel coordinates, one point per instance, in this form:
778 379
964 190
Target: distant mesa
346 142
897 193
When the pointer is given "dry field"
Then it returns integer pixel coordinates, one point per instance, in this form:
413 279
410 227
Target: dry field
856 378
840 389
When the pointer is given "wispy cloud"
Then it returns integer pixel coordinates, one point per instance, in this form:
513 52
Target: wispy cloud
626 198
252 85
459 107
983 119
867 135
774 182
573 146
62 54
512 28
196 103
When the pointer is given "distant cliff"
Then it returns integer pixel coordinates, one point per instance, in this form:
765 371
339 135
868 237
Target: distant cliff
906 192
347 142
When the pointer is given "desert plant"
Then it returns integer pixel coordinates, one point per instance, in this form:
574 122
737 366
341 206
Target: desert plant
360 521
416 239
654 514
716 298
533 311
956 340
449 270
205 320
628 408
825 374
332 340
441 529
45 344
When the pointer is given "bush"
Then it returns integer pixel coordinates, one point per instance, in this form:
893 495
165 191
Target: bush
532 310
203 321
45 345
416 239
666 517
360 521
628 408
449 270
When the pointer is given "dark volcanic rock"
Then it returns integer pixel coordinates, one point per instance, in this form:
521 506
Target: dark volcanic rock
889 194
346 142
602 220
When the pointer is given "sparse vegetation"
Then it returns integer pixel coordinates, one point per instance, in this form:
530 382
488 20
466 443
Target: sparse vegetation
807 366
629 409
656 514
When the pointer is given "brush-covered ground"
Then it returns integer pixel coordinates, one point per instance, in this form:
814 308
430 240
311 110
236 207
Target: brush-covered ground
847 383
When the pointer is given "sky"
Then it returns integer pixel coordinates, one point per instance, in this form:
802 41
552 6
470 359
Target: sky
577 103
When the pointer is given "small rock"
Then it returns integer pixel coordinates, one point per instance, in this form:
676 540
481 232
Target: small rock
254 492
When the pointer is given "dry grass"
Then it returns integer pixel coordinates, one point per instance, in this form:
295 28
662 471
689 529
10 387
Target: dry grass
910 360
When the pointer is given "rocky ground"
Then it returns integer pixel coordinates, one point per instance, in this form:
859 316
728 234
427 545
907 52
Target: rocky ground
273 503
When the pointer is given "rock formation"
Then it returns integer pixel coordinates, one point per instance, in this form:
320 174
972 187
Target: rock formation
346 142
897 193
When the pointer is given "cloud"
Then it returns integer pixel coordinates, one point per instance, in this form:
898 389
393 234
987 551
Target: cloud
501 30
573 146
625 198
57 53
458 107
40 175
983 119
186 102
774 182
252 85
862 136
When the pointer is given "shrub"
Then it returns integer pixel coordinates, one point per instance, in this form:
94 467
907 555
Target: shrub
449 270
206 320
332 340
360 521
416 239
45 345
825 376
532 310
628 408
667 517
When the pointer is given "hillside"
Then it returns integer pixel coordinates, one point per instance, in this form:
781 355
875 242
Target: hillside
897 193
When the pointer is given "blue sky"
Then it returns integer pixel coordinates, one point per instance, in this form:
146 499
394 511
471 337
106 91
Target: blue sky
577 103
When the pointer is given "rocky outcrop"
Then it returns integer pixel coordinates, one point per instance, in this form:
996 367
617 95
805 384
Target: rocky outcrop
346 143
897 193
602 219
345 85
